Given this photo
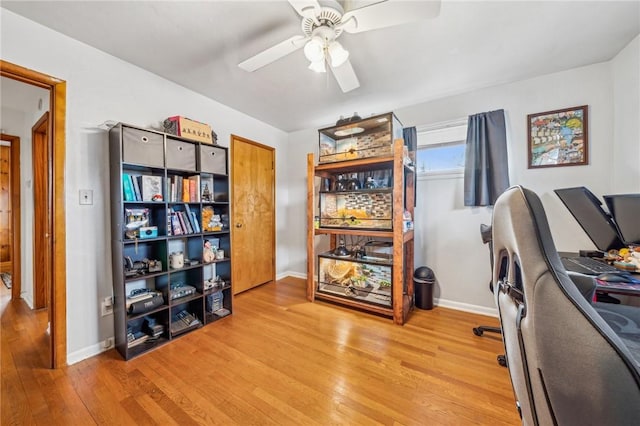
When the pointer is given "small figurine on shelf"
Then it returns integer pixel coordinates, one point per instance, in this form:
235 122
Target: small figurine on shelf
206 193
208 252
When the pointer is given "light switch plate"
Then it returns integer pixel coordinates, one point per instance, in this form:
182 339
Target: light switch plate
86 196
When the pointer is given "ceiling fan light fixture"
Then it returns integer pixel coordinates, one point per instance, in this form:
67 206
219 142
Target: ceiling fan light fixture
318 66
337 54
314 49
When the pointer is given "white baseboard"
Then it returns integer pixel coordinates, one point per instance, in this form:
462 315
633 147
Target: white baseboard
27 299
85 353
291 274
466 307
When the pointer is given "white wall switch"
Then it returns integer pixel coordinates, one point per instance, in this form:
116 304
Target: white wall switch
86 196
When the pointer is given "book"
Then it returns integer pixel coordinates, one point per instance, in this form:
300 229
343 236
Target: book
136 187
183 225
151 188
127 188
193 191
178 188
189 217
185 190
195 222
176 228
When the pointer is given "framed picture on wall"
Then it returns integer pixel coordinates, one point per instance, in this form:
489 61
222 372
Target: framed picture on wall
558 138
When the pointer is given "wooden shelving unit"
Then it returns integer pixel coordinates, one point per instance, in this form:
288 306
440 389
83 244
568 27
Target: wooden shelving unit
403 196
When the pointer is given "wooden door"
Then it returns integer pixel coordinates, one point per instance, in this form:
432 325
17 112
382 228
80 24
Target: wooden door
253 208
5 208
42 207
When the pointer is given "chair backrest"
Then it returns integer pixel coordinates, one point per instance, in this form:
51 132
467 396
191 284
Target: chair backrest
567 366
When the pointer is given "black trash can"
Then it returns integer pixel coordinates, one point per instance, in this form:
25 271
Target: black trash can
423 281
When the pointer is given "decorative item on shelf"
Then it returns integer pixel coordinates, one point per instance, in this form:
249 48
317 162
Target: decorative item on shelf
176 260
206 192
214 301
154 266
134 220
178 290
211 222
353 184
152 328
140 306
407 221
151 188
208 252
148 232
355 117
370 183
341 250
340 184
219 254
189 129
140 267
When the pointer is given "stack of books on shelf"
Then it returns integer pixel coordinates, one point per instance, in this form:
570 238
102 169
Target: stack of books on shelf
184 189
182 222
142 187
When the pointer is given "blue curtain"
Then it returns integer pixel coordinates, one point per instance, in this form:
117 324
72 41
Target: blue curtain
410 136
486 171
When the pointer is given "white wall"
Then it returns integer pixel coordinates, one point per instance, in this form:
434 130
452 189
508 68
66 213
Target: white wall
447 233
101 87
626 111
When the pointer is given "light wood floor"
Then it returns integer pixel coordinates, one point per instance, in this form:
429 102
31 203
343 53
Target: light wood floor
277 360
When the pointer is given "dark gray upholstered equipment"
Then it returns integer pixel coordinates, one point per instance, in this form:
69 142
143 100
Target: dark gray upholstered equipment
567 365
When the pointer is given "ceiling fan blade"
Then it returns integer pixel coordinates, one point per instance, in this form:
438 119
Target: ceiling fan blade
346 77
306 8
273 53
388 13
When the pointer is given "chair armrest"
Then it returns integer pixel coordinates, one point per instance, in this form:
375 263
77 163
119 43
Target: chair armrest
586 284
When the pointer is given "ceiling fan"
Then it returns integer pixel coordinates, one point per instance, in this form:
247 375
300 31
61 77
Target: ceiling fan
324 21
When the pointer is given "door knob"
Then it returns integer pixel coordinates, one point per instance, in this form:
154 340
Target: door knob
238 225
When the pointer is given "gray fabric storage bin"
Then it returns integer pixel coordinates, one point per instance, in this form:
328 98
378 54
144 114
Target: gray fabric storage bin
213 160
181 155
142 147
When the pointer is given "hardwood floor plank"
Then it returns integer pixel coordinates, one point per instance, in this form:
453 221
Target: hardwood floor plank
278 360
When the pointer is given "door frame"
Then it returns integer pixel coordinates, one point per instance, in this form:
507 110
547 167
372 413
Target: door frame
14 149
58 306
239 139
40 149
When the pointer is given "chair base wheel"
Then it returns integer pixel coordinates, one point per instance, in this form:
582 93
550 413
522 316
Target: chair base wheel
477 331
502 360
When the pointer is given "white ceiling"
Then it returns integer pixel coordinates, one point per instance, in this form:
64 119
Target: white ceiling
469 45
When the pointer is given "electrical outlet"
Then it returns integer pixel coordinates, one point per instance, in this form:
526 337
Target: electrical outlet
107 306
107 343
86 196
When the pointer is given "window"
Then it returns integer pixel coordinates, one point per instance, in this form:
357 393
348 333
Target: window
441 147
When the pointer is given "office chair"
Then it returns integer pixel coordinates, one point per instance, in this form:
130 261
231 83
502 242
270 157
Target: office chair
567 365
485 233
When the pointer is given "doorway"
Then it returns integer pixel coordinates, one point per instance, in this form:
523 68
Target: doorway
253 241
55 212
41 165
